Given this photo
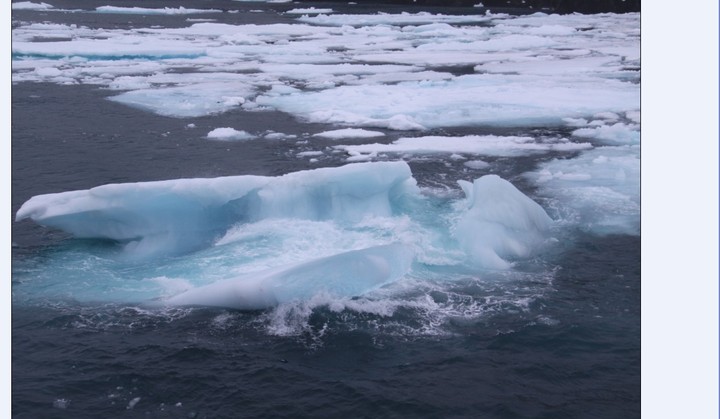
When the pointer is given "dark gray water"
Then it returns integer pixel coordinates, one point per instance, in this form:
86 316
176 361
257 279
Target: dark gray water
573 351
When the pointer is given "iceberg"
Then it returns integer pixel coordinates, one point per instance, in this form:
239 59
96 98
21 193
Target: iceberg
177 216
253 242
347 274
501 223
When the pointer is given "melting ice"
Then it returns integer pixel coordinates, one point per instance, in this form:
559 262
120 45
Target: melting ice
404 72
371 221
251 242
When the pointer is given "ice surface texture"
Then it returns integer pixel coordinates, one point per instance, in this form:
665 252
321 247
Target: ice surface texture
378 206
403 71
501 223
346 274
180 215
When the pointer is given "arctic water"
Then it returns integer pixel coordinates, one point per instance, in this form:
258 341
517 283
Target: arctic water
276 209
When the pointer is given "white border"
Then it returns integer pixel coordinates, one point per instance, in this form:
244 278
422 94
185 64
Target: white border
680 209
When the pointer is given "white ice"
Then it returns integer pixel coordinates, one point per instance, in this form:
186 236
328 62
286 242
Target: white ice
403 18
180 215
148 11
347 274
501 223
28 5
615 134
188 101
488 145
398 71
229 134
598 191
463 101
349 133
309 11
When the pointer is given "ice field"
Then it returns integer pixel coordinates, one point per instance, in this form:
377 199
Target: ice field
413 76
231 208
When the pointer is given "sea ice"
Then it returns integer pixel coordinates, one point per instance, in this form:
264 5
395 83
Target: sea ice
476 164
501 223
349 133
616 134
402 71
27 5
309 11
176 216
391 19
465 100
347 274
147 11
598 191
187 101
229 134
488 145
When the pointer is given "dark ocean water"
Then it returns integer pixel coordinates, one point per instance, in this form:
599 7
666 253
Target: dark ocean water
573 351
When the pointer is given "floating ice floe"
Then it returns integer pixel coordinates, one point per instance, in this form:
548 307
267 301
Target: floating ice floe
28 5
346 274
349 133
462 101
341 231
403 71
598 191
170 216
616 134
501 223
309 11
149 11
187 101
488 145
403 18
229 134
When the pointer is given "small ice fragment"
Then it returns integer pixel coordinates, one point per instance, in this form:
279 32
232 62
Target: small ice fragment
132 403
61 403
227 133
477 164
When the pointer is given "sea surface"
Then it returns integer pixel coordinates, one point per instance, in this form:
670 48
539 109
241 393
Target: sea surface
555 337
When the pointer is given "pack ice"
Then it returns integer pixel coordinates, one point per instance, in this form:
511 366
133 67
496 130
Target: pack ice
399 71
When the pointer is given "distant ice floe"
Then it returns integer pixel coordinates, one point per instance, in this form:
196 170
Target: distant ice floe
149 11
349 133
229 134
398 71
27 5
462 101
487 145
187 101
616 134
403 18
309 11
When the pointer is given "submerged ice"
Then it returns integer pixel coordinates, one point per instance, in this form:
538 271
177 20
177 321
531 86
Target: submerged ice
346 274
341 231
